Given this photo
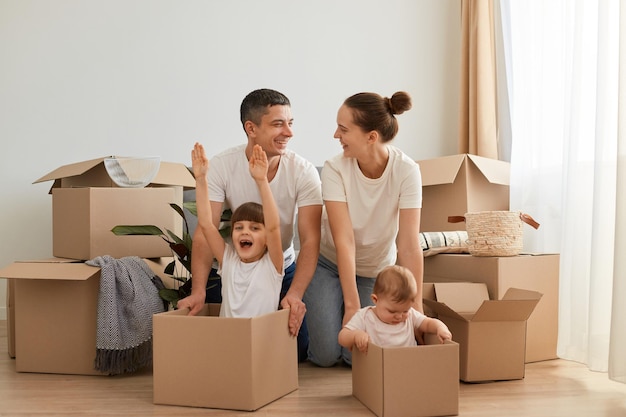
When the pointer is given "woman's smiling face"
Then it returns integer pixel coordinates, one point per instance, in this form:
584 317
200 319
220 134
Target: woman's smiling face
351 137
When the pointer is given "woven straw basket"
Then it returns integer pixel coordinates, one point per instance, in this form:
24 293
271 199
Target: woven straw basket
495 233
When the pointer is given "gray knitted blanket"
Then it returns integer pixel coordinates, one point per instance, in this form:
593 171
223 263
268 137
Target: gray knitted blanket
128 298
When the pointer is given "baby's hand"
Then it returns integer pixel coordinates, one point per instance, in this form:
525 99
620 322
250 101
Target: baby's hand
199 161
361 340
443 334
258 163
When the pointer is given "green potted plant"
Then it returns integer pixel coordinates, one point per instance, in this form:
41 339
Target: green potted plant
180 267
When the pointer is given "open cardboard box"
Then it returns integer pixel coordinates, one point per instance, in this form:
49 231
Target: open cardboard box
87 204
54 320
491 333
416 381
458 184
217 362
535 272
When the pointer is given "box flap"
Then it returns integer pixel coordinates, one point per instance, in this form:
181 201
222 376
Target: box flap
71 170
520 294
462 297
495 171
68 271
170 173
440 170
505 310
442 309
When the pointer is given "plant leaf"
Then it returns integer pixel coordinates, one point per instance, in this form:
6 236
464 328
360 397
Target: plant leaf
191 206
178 209
141 230
179 249
174 237
169 269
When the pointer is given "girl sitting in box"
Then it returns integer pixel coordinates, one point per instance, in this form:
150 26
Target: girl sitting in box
252 266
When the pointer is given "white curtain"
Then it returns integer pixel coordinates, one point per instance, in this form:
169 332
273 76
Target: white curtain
568 165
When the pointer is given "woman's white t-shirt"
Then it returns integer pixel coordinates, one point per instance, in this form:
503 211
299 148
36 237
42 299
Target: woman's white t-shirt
374 206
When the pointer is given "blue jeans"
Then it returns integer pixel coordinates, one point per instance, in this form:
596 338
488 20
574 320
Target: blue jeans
214 295
324 304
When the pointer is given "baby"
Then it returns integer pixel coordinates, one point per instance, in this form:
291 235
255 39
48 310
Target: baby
392 321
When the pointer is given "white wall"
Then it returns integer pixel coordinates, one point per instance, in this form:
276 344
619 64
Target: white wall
81 79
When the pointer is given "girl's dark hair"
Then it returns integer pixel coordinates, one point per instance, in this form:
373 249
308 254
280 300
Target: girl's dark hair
256 104
252 212
396 282
374 112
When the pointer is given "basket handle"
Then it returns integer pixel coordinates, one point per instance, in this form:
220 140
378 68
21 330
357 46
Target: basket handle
526 218
456 219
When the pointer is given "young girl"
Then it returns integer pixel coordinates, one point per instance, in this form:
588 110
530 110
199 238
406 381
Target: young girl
392 321
251 266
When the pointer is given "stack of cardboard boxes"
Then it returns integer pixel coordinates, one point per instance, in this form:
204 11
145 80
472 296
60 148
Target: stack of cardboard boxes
52 303
456 185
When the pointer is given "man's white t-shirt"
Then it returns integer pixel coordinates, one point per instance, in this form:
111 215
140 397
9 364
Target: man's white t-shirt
296 184
249 289
374 206
383 334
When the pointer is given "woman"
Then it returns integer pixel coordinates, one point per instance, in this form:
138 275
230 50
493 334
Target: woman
372 202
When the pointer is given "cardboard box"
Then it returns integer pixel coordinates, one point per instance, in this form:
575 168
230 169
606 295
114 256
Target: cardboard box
216 362
459 184
10 318
491 333
87 204
415 381
539 272
55 314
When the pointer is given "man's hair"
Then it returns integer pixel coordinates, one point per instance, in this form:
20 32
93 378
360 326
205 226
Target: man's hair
396 282
250 211
256 104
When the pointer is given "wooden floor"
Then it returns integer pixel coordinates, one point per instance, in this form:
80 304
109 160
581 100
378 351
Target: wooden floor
551 388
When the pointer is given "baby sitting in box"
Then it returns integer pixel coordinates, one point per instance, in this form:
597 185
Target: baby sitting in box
392 321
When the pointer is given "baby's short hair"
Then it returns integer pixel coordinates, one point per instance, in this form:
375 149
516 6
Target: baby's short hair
396 282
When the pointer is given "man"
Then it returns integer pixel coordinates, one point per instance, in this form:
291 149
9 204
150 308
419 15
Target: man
266 119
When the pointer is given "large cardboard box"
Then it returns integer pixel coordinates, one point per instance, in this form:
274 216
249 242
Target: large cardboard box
87 204
458 184
228 363
538 272
408 381
491 333
55 303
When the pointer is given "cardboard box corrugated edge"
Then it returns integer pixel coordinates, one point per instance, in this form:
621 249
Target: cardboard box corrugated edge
10 318
418 381
253 363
